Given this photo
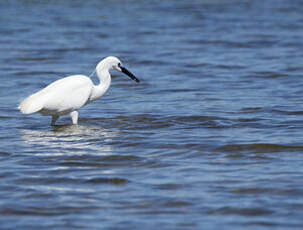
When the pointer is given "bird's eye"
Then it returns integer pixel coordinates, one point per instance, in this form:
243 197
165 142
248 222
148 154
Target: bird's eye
119 64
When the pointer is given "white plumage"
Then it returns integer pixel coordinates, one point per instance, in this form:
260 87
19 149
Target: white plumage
67 95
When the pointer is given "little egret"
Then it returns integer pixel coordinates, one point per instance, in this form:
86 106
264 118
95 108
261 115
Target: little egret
69 94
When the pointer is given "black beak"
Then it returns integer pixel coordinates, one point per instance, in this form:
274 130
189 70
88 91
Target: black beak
124 70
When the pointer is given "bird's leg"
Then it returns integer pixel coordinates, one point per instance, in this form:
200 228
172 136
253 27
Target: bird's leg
74 117
54 119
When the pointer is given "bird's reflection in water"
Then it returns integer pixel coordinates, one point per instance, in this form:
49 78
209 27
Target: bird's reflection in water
70 139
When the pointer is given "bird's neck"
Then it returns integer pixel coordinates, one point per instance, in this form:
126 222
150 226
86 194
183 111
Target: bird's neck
104 83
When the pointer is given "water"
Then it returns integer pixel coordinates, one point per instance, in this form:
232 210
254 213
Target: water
210 139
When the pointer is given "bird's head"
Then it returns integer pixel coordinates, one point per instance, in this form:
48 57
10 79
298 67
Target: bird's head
113 63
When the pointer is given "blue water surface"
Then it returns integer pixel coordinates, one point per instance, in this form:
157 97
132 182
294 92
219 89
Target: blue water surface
210 139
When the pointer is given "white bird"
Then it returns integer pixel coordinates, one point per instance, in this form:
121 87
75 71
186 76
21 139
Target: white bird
67 95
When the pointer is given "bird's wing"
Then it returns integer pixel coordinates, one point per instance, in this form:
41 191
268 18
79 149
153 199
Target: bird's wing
31 104
66 94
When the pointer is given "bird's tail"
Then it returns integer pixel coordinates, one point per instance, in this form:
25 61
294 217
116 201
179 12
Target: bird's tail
31 104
